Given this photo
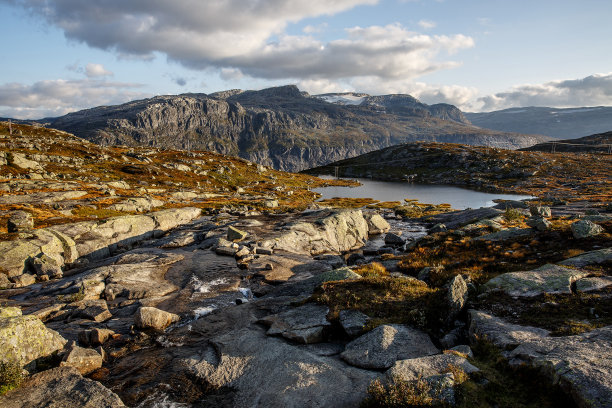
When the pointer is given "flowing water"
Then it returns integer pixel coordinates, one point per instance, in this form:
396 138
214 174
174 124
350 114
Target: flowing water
459 198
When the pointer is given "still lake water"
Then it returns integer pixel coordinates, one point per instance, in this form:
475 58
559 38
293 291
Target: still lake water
459 198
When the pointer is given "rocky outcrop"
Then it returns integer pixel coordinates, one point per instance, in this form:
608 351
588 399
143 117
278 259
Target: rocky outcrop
24 339
334 232
89 239
61 387
580 364
275 374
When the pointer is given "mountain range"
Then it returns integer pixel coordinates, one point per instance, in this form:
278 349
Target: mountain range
558 123
281 127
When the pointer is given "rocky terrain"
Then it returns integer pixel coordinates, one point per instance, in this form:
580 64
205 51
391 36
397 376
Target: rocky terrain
242 291
599 143
567 176
282 127
564 123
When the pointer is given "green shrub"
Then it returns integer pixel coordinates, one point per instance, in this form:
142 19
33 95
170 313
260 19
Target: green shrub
401 394
513 214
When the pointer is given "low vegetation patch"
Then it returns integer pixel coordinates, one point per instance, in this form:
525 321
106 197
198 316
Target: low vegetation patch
11 376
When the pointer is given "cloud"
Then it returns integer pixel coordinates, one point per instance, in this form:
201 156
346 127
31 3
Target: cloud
249 36
58 97
96 70
589 91
427 24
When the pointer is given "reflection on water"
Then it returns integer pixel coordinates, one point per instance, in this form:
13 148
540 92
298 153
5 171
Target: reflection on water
458 198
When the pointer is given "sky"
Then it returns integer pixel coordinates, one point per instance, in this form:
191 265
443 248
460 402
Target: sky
481 55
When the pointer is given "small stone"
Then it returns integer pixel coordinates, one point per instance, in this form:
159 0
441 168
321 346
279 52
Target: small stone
353 322
438 228
83 359
394 239
45 265
153 318
234 234
24 280
539 223
226 251
456 296
376 224
263 251
95 337
96 310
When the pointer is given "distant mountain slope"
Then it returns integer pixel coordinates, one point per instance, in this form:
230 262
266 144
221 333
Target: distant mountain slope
280 127
599 143
557 123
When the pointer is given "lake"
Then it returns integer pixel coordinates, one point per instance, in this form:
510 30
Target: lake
459 198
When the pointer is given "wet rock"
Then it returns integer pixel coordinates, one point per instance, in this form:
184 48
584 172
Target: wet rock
25 338
277 374
596 257
456 296
376 223
540 211
84 360
61 387
305 324
20 221
593 284
539 223
234 234
394 239
506 234
585 229
153 318
550 279
353 322
386 344
335 232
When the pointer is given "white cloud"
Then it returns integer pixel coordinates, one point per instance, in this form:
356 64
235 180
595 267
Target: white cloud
427 24
589 91
58 97
96 70
249 36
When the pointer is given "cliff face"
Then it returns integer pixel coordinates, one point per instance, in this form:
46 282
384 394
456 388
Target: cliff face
280 127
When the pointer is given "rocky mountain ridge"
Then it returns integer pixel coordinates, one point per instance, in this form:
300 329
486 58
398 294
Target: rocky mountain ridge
279 127
558 123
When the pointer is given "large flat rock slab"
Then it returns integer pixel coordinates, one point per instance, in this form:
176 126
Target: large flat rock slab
386 344
303 324
268 372
596 257
550 279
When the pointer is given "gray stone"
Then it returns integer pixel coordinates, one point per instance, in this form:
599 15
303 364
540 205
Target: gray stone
153 318
394 239
539 223
95 337
20 160
24 280
334 232
45 265
96 310
593 284
456 296
84 360
457 219
386 344
540 211
585 229
438 228
422 367
234 234
463 349
20 221
137 204
269 372
226 251
340 274
376 223
589 258
62 387
550 279
271 204
502 334
305 324
353 322
506 234
24 339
